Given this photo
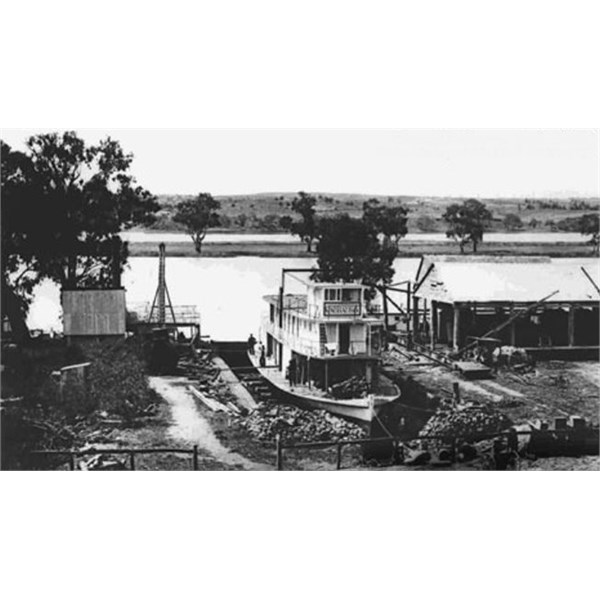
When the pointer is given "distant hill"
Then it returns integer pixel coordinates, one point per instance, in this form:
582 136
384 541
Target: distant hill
261 212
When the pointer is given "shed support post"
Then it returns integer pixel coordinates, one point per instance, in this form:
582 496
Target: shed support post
456 328
434 324
571 325
415 316
386 320
513 328
408 307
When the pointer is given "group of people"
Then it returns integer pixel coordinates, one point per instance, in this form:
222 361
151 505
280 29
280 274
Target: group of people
255 347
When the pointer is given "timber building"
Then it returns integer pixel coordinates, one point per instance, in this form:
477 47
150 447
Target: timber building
457 298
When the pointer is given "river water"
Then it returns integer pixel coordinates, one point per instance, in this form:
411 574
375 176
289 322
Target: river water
227 291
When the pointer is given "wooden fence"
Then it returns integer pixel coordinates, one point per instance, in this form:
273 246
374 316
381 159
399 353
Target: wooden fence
563 441
584 441
130 452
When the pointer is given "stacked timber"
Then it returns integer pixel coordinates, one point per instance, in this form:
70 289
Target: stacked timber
354 387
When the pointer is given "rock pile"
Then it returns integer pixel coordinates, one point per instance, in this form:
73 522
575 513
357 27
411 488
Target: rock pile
468 421
296 425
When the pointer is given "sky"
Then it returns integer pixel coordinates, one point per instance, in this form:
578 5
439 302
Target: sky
477 162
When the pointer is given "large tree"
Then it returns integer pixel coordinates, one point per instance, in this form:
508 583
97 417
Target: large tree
467 222
589 225
305 228
349 249
388 222
197 215
63 206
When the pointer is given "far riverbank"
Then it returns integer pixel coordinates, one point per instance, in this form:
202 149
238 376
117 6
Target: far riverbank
408 248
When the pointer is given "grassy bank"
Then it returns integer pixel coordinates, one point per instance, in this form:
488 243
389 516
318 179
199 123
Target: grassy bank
407 249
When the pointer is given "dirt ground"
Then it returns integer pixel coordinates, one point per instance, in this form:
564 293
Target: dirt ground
554 389
190 426
557 388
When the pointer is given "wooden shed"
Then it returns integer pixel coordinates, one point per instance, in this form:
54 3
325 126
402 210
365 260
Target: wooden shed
93 313
460 297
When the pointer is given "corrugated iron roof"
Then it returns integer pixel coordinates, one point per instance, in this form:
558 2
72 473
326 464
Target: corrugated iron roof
505 279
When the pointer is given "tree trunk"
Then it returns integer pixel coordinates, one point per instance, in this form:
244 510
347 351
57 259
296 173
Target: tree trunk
474 246
197 243
71 282
12 307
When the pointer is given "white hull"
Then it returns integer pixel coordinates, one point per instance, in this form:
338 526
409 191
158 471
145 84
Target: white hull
357 409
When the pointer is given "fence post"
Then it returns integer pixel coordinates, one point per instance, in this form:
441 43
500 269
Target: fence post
279 449
456 389
132 461
338 464
195 458
72 461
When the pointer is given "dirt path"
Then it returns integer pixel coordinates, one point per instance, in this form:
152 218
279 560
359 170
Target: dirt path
191 427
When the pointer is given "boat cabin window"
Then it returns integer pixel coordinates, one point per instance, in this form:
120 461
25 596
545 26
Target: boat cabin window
342 295
351 295
332 294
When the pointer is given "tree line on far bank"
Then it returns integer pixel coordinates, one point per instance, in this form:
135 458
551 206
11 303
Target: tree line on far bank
464 222
361 248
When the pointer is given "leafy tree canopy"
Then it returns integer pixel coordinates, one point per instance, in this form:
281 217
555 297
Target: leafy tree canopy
388 221
306 228
349 249
589 225
467 222
197 215
63 206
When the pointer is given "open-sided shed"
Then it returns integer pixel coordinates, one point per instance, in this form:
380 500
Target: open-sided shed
467 296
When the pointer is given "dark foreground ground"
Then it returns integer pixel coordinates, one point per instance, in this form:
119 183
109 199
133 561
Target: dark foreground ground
35 417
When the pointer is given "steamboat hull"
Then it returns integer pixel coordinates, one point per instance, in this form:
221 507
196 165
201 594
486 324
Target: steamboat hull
359 410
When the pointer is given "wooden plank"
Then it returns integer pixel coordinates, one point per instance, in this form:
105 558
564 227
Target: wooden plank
244 397
214 405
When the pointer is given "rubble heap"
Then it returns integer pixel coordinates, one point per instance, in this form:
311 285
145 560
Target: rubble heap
467 421
296 425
